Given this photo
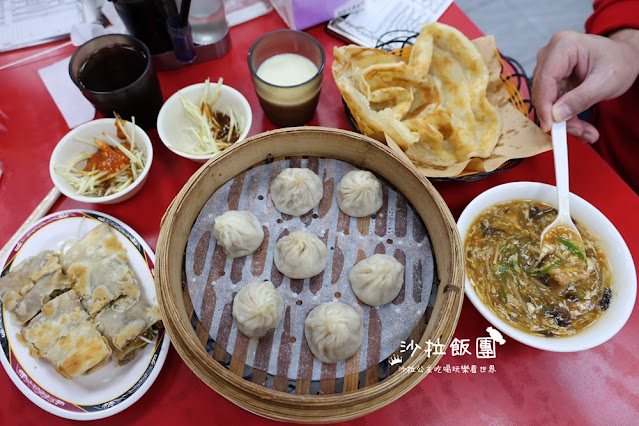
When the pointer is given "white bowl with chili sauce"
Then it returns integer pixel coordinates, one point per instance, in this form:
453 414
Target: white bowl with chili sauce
623 276
175 127
70 147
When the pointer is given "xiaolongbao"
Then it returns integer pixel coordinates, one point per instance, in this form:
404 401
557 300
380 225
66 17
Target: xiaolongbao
359 193
300 254
377 280
257 308
238 232
334 331
296 191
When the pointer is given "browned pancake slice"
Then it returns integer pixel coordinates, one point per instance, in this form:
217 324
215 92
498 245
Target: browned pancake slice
17 282
81 351
57 318
126 325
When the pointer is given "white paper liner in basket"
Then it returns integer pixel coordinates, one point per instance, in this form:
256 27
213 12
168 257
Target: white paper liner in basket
213 280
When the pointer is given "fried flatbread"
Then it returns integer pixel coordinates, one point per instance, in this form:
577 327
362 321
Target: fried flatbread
466 125
433 105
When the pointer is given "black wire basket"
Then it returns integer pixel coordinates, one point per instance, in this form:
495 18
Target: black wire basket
512 73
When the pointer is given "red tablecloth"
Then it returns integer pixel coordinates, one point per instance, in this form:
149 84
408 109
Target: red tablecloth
527 385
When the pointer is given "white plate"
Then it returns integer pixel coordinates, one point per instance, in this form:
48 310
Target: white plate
110 389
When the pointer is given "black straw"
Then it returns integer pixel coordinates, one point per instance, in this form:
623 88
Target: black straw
184 13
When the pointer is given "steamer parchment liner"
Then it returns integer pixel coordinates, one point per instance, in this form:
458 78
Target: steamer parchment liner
397 230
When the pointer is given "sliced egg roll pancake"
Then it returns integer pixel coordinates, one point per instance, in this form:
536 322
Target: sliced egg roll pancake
56 319
82 351
22 277
97 244
45 289
101 282
128 326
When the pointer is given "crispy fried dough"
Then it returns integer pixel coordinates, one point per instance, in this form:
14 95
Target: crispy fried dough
433 105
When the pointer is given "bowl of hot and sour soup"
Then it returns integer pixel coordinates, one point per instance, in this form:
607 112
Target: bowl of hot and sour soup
572 295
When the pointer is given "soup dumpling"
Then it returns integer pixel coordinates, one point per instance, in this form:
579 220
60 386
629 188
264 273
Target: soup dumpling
334 331
238 232
296 191
377 280
359 193
257 308
300 254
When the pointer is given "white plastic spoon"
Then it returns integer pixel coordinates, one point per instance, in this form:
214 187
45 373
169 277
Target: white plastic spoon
560 155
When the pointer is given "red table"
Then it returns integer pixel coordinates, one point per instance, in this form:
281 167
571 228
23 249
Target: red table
600 385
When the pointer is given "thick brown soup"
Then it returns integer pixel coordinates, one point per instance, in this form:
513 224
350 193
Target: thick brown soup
558 294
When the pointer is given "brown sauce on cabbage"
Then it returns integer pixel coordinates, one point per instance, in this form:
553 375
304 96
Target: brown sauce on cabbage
551 296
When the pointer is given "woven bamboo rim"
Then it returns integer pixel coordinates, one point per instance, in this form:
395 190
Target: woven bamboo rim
328 143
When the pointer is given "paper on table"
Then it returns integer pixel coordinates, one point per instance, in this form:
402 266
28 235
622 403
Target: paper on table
26 23
75 108
366 26
80 33
240 11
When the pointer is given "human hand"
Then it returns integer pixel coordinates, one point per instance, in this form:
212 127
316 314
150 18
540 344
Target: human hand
575 71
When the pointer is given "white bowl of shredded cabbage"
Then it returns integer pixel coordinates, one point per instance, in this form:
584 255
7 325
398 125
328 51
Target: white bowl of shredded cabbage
99 162
621 282
201 120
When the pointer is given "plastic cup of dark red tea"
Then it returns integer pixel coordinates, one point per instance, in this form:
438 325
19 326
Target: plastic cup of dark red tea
115 73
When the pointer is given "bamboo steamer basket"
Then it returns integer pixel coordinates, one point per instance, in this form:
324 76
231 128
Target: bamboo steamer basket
357 397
